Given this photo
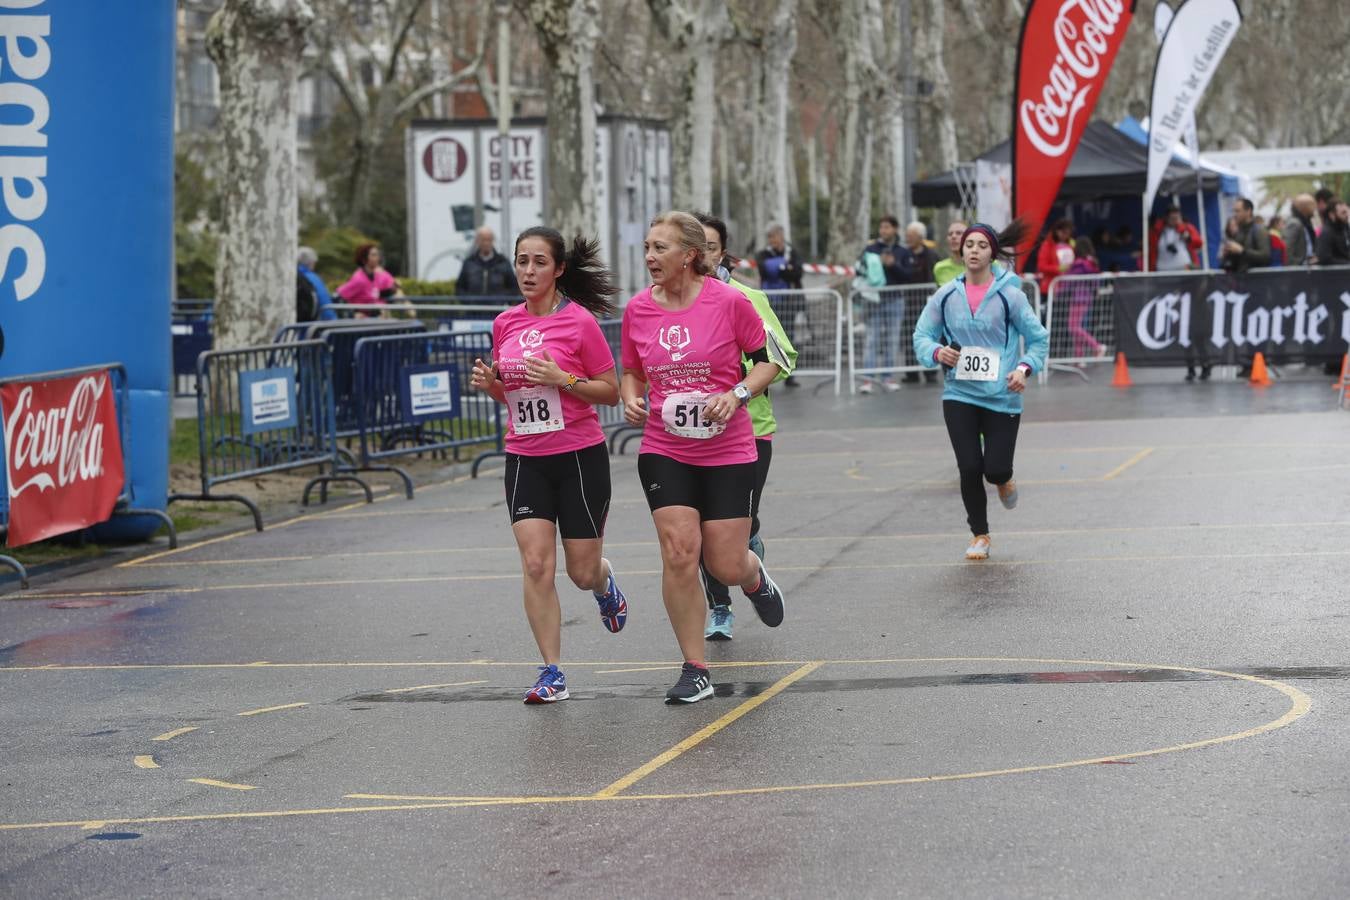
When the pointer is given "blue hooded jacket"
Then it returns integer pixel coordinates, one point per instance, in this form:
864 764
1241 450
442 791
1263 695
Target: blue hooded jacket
1002 317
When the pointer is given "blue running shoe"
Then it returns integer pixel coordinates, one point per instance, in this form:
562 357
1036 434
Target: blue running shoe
768 600
757 546
719 624
693 686
550 688
613 604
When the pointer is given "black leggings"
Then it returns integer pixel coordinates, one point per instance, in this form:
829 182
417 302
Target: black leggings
717 591
991 459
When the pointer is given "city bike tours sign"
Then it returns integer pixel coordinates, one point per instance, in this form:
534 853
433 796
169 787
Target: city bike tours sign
63 454
1064 54
1289 315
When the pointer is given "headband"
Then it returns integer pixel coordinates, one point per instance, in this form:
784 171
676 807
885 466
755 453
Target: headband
987 231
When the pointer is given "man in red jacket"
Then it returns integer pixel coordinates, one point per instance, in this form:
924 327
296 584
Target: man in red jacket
1174 244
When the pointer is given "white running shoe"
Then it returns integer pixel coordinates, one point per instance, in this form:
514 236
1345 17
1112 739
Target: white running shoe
979 547
866 387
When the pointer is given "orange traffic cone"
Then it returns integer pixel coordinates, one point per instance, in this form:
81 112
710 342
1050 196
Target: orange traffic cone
1344 380
1122 376
1260 377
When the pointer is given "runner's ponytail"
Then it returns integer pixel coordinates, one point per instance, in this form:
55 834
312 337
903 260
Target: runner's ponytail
584 280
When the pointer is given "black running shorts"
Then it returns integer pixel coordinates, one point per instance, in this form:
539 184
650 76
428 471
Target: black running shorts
717 492
571 489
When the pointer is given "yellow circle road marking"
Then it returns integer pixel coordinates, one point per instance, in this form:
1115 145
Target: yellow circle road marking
1299 706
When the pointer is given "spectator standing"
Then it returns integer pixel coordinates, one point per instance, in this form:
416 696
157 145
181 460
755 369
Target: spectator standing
883 315
1056 253
312 300
1300 237
925 259
947 269
780 269
1323 199
1249 247
487 272
1333 245
1174 244
1278 249
370 284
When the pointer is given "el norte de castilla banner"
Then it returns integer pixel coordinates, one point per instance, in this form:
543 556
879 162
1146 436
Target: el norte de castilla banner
1289 315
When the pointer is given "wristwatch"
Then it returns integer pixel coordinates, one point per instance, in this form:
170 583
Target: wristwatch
571 382
742 393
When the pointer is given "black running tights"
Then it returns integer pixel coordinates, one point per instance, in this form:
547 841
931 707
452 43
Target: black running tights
976 460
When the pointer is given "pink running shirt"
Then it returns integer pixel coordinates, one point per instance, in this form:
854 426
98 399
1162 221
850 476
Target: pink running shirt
975 293
545 419
695 350
363 287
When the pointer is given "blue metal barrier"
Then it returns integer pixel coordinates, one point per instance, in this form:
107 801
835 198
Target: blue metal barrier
117 376
191 328
411 396
267 409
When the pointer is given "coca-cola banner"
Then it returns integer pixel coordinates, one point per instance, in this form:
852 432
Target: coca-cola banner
63 454
1289 315
1064 55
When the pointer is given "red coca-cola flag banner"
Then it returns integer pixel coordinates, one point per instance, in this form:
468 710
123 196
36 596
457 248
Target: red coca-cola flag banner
63 454
1066 49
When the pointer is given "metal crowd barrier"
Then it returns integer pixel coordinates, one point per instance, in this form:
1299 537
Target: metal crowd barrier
439 313
117 375
1080 316
816 320
266 409
611 417
411 396
881 332
881 323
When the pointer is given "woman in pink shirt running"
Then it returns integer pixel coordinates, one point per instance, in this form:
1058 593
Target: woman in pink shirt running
682 342
551 367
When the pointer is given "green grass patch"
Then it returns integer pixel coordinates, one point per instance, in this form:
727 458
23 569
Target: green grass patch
183 442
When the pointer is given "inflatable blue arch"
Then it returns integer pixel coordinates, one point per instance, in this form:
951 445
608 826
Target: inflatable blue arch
86 206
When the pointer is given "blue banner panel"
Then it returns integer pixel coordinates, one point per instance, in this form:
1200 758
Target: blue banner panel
429 392
86 205
267 398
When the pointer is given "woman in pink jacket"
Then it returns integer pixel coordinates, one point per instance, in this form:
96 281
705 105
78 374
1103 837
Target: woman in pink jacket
370 283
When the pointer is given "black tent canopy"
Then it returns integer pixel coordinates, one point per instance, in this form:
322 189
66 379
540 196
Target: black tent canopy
1107 163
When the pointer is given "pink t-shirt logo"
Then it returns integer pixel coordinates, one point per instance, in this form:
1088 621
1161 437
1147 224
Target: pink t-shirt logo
675 339
531 340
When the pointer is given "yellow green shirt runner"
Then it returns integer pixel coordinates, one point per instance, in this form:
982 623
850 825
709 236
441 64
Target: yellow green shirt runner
781 353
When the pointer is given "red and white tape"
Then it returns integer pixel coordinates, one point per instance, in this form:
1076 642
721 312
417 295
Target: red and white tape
810 268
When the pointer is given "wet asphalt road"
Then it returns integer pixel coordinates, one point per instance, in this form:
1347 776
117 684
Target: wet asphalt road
1143 692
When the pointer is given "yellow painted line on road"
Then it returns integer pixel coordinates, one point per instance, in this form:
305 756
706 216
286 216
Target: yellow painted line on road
427 687
272 709
855 472
170 735
1133 460
511 550
268 709
639 669
707 731
228 785
827 567
145 761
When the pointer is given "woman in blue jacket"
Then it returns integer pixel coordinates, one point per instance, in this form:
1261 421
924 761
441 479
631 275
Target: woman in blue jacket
973 327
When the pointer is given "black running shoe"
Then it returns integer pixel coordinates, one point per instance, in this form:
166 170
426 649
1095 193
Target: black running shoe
693 686
768 600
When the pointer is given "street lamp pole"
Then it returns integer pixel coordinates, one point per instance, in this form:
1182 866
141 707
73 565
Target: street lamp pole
503 8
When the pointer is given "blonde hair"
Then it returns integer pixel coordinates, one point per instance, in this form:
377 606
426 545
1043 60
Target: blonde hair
691 234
